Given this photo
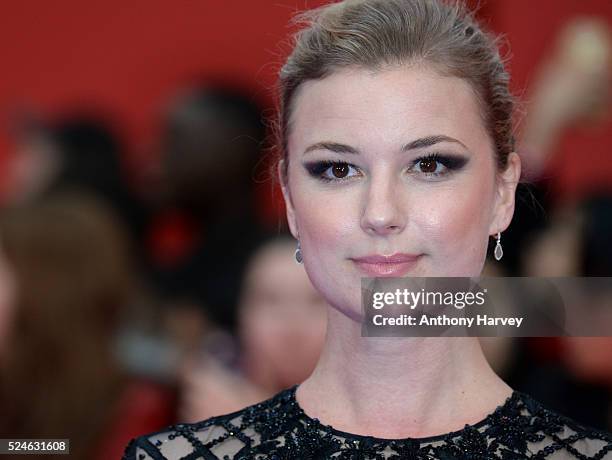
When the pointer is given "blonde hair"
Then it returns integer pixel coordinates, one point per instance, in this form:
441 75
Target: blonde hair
378 33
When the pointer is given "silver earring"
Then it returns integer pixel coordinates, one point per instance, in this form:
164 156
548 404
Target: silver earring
298 253
499 252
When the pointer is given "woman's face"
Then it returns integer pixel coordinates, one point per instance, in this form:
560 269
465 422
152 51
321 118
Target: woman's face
282 319
397 161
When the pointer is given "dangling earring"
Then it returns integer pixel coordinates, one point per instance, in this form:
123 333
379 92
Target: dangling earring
298 253
499 252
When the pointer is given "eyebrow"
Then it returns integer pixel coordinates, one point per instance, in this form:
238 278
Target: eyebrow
413 145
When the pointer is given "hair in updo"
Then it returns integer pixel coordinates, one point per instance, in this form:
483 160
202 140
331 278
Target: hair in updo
378 33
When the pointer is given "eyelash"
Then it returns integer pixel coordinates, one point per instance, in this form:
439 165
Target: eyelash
451 163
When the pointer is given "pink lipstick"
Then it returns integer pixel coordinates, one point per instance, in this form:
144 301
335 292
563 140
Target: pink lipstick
379 266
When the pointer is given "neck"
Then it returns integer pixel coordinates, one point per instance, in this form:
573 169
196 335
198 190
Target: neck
396 387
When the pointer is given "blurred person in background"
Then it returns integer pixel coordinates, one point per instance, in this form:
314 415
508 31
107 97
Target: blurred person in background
79 152
571 374
570 88
205 222
577 376
282 322
548 236
66 279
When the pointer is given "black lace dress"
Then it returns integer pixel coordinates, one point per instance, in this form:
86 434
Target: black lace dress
278 429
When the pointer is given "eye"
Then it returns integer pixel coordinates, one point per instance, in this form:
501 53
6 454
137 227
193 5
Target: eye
430 166
436 165
331 171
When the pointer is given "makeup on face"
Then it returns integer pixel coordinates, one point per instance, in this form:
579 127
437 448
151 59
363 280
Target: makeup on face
429 166
391 175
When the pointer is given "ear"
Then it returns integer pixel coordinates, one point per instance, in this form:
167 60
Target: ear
507 182
283 180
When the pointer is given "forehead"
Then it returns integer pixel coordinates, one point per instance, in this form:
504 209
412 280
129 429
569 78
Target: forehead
386 108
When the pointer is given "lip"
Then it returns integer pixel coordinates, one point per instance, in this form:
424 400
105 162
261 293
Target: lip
394 265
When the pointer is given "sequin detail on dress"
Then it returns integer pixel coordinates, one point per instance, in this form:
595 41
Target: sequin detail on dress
278 429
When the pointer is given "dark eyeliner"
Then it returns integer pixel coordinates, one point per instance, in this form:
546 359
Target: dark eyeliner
317 169
451 162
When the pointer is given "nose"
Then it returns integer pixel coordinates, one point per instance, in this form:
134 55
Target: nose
383 213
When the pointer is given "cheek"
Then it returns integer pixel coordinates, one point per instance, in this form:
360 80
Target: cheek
455 229
324 221
328 224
